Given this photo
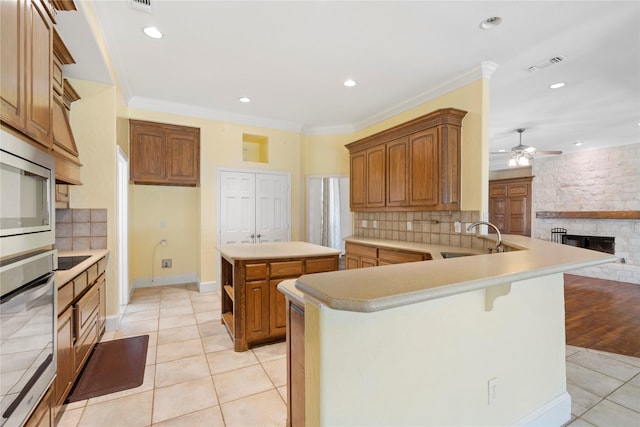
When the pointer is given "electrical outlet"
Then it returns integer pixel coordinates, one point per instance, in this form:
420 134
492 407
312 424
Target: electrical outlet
409 226
466 228
457 226
166 263
363 223
492 390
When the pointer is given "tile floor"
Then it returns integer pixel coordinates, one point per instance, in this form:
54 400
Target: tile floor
194 378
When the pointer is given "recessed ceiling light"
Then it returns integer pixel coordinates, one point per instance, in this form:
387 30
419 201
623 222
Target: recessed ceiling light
577 144
152 32
245 99
557 85
350 83
490 23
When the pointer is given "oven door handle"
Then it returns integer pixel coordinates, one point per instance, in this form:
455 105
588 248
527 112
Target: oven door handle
35 291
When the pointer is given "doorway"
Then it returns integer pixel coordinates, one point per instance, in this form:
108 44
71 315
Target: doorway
123 226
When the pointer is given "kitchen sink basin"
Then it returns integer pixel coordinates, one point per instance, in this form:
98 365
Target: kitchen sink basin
455 254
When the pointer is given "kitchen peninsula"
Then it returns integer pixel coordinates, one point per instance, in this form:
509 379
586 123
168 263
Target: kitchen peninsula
253 310
424 343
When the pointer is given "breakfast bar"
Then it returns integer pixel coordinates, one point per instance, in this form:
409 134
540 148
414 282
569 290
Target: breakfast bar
252 309
475 340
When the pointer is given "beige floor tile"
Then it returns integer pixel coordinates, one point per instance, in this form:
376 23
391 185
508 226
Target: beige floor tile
143 306
178 371
217 342
200 306
136 316
569 350
240 383
277 371
581 400
269 352
264 409
210 417
629 360
167 322
628 396
179 350
604 364
70 417
589 380
182 333
227 360
176 310
184 398
609 414
283 393
174 300
140 327
130 411
635 380
207 316
148 384
580 423
155 290
211 328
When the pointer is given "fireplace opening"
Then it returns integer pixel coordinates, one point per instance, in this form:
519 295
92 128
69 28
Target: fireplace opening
595 243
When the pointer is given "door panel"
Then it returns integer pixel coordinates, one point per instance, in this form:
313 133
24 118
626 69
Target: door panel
237 210
272 208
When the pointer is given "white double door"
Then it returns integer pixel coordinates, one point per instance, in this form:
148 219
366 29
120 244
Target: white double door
254 207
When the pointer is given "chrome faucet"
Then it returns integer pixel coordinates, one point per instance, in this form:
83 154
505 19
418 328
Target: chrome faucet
499 247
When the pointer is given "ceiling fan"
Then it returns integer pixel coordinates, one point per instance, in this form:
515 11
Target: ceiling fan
522 154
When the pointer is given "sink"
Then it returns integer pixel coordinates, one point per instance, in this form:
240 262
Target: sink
456 254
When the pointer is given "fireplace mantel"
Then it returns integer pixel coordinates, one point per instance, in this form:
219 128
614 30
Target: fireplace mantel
589 214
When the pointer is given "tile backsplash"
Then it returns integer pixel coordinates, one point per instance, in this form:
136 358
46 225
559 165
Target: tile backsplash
81 229
436 228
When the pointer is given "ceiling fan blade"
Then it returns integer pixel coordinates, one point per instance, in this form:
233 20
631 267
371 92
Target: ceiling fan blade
547 152
499 152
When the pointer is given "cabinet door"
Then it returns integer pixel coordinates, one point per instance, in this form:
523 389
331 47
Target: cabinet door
102 308
66 366
398 173
62 196
368 262
147 154
12 66
295 377
39 76
376 177
449 164
352 261
423 169
183 157
358 180
257 320
277 310
42 415
517 221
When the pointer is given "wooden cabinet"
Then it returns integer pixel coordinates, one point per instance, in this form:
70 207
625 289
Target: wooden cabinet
413 166
42 415
26 68
62 196
253 310
295 364
164 154
363 256
510 205
81 323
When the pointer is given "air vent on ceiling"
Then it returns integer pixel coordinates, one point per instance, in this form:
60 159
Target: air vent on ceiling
143 5
546 63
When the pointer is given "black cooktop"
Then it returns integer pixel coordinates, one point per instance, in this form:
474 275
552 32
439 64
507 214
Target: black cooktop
68 262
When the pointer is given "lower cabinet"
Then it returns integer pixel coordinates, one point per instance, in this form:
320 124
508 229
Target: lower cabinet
363 256
81 322
295 364
43 415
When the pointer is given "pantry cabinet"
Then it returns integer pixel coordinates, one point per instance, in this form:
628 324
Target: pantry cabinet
410 167
164 154
510 205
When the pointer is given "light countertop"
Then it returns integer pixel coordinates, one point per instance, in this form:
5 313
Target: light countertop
64 276
247 251
380 288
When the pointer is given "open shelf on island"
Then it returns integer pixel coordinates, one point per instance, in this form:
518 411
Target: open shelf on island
228 289
227 318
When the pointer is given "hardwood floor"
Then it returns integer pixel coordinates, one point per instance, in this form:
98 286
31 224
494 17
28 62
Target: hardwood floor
602 314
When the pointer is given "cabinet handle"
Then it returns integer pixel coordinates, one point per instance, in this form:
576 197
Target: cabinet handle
253 238
259 236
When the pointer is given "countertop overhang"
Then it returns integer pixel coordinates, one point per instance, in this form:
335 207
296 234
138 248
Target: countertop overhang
248 251
385 287
64 276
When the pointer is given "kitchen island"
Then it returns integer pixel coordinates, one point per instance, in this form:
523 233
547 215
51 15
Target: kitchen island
477 340
252 309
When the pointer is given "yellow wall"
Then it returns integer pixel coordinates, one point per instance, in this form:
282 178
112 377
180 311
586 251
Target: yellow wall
94 129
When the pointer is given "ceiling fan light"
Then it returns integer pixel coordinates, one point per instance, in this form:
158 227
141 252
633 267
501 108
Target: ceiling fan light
512 162
523 161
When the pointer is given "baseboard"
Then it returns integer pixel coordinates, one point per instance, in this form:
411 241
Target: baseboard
553 413
178 279
210 286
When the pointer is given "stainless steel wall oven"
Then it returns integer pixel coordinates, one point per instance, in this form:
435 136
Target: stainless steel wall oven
28 261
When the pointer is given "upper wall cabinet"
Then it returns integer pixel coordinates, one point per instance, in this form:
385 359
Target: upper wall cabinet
410 167
164 154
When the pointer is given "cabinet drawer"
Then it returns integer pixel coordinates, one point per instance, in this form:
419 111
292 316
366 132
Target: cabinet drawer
395 257
256 271
498 190
102 266
86 310
80 283
65 296
319 265
286 268
361 250
92 273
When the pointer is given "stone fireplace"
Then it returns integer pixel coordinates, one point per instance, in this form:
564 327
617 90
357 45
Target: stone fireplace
594 193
